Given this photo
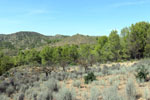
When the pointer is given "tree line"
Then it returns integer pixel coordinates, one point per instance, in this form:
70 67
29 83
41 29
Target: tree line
132 43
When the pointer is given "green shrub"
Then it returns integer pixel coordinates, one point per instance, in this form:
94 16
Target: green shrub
89 78
142 73
6 63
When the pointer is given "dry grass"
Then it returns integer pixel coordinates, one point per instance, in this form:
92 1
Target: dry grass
107 81
103 82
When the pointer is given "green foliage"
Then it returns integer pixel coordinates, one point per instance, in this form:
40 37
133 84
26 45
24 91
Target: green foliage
102 40
20 59
89 78
114 42
142 73
5 63
108 48
46 55
69 53
28 57
124 51
137 39
87 56
147 46
99 47
32 56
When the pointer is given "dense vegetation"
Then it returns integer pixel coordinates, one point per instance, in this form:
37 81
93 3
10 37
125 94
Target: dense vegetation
132 43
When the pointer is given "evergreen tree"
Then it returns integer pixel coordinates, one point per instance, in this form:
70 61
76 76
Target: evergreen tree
137 39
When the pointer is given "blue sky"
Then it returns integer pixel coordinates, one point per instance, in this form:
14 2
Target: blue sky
68 17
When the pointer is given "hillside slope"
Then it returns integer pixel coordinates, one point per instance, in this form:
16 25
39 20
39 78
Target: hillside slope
26 39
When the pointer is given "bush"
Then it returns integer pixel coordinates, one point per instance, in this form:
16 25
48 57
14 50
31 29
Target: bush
4 97
77 83
142 73
105 70
89 78
19 96
111 94
95 93
45 96
10 90
130 90
3 86
146 94
52 85
66 94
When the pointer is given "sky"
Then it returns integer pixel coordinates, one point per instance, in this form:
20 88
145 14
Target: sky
68 17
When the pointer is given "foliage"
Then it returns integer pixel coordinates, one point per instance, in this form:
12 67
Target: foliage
46 55
89 78
5 63
142 73
137 39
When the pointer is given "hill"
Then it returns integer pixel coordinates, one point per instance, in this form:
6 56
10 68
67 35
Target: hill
77 39
27 40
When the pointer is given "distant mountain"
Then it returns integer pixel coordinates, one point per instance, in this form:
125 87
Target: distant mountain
26 39
77 39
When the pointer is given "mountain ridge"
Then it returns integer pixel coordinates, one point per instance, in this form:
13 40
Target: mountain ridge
30 39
